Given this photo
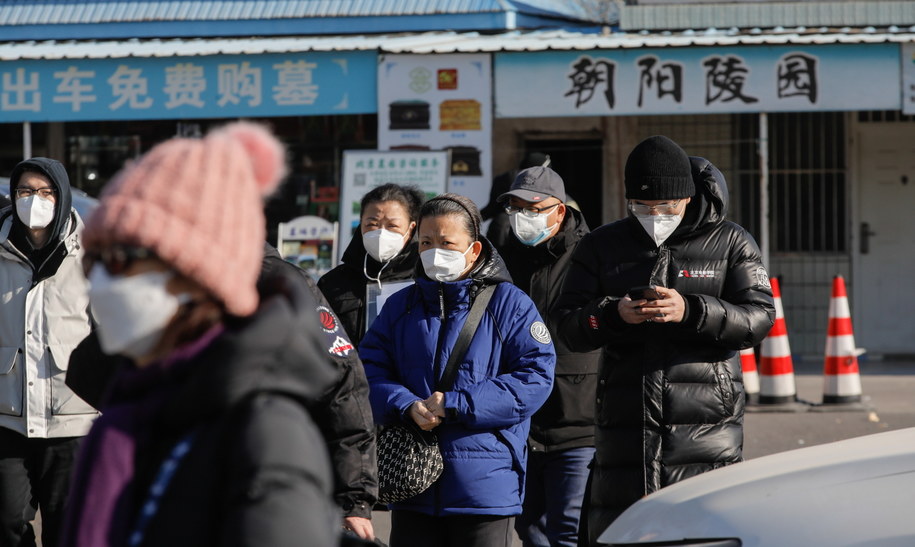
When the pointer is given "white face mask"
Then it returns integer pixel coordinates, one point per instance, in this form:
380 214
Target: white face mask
530 231
35 212
383 245
132 312
444 264
659 227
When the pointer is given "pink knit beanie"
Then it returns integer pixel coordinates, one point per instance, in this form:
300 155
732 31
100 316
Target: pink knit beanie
198 204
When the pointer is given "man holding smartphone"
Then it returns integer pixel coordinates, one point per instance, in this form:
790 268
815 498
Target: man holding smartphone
671 293
561 443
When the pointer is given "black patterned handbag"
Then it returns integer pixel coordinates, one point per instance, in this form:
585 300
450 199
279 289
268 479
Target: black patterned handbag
409 460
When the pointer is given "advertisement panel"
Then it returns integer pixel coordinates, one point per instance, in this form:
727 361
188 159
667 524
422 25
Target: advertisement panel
440 102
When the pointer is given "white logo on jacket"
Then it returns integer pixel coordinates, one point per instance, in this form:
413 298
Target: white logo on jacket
341 346
762 278
540 333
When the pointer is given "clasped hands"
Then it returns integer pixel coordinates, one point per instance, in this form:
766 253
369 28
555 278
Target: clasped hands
428 413
667 309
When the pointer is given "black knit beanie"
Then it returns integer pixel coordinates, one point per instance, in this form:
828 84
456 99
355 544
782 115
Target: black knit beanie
657 168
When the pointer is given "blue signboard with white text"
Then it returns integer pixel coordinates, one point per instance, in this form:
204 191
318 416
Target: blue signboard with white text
218 86
697 80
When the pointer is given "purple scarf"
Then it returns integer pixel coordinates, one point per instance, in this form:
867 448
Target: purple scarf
102 504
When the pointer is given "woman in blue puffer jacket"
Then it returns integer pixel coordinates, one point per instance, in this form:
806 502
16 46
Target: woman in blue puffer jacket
482 423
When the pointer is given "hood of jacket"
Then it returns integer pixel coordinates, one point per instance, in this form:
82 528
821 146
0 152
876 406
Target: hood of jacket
355 256
573 229
55 171
709 207
279 349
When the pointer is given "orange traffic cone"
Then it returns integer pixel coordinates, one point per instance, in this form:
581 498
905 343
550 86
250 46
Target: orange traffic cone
842 381
750 375
776 369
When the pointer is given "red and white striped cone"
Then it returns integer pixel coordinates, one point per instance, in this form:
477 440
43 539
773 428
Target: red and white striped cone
750 375
842 381
776 368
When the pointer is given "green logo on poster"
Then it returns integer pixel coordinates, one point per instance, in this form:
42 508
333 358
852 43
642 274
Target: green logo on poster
420 79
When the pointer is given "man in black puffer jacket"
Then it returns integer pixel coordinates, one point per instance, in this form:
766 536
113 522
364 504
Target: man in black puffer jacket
561 443
670 398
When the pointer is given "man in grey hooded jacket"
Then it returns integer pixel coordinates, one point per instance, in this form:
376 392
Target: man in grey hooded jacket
43 317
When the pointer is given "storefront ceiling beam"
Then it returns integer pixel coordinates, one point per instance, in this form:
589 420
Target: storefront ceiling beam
432 42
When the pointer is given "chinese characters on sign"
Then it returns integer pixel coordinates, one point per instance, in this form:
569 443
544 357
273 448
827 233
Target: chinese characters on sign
724 75
697 80
724 79
365 169
210 86
587 75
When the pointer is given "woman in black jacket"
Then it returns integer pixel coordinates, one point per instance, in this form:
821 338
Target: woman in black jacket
382 251
207 438
670 397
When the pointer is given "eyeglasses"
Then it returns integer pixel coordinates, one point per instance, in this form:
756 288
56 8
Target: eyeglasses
23 192
668 208
116 260
529 212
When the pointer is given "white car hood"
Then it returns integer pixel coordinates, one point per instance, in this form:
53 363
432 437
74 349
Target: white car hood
859 491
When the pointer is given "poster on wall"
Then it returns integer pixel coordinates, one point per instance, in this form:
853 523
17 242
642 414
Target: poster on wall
308 242
364 170
908 79
440 102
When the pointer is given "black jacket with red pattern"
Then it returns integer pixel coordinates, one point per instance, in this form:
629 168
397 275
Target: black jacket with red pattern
342 412
670 396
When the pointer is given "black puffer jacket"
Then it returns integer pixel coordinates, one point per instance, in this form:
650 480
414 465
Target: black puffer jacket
670 397
566 420
343 412
257 472
344 286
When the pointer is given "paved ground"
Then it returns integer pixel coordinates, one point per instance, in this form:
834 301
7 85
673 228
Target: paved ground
888 403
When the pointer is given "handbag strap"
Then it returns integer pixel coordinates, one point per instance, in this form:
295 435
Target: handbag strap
463 340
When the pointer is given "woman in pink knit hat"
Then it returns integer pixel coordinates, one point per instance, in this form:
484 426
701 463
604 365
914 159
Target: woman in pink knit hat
206 439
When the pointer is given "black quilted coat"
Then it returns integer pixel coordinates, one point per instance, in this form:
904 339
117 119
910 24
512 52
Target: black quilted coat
670 397
344 286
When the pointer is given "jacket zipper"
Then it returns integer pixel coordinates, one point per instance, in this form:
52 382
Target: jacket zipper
438 372
437 366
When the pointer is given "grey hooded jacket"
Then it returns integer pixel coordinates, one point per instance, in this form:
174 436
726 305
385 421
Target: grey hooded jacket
45 314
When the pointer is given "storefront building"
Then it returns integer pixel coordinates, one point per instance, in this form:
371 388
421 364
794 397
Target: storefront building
813 127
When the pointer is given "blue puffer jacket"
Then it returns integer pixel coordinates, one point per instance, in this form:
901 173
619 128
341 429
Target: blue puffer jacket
505 376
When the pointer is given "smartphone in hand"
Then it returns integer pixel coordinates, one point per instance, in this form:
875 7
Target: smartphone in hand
646 292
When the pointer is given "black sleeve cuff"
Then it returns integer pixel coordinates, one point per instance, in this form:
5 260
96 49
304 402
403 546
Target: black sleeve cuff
691 307
356 509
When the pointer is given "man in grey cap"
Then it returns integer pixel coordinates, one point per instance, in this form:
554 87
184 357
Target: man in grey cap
561 441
